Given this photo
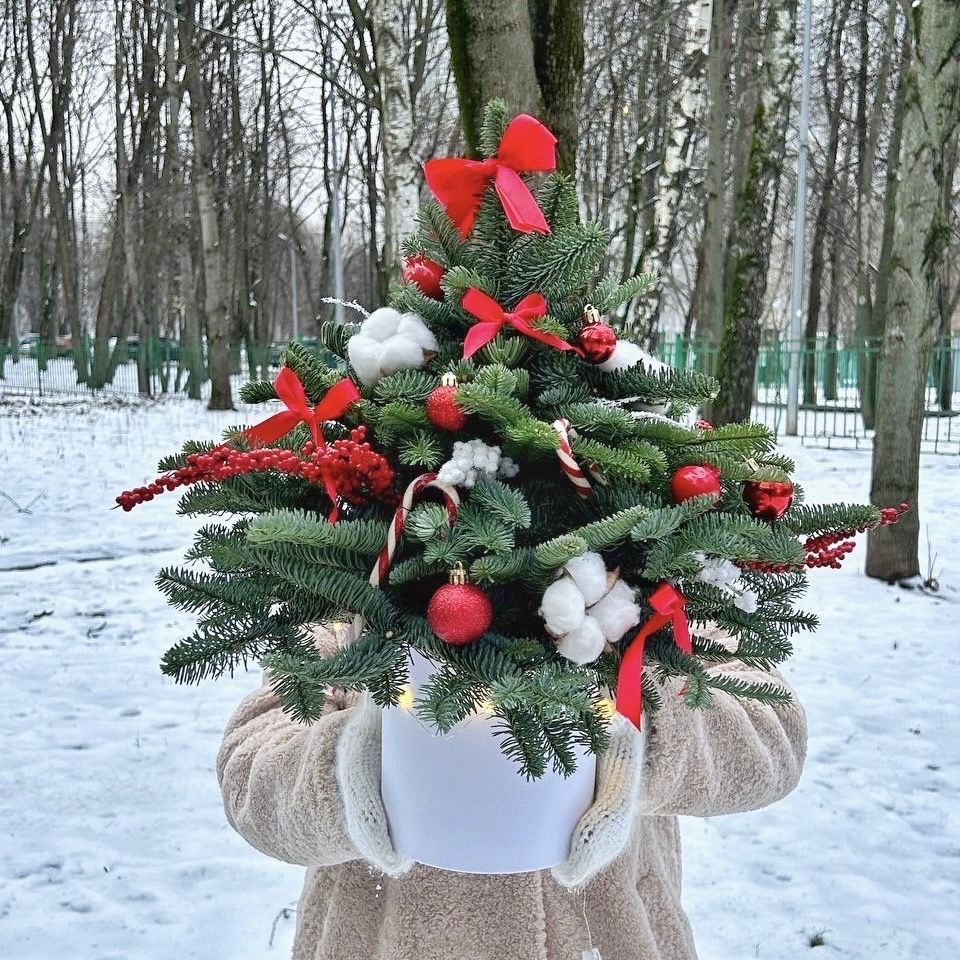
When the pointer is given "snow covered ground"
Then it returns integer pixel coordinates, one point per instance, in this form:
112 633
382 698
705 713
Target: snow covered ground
113 842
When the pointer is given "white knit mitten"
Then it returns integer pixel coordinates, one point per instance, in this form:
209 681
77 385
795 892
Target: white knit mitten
358 773
604 830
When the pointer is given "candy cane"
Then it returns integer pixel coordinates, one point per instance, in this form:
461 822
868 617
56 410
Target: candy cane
569 464
381 569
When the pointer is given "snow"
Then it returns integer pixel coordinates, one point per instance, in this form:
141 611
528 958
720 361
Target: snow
114 842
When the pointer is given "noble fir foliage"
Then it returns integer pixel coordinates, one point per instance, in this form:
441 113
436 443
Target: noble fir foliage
271 566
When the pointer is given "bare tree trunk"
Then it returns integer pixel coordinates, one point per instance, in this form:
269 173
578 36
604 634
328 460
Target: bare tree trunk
491 51
869 322
558 59
677 159
920 241
944 367
401 172
706 307
825 209
208 215
749 249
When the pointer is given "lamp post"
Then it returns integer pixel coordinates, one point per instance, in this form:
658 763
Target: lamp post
294 302
799 231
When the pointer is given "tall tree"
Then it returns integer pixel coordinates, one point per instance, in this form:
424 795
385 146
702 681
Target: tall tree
208 215
674 172
753 222
920 240
529 52
401 172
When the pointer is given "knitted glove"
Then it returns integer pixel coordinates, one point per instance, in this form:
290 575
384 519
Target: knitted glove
604 830
358 774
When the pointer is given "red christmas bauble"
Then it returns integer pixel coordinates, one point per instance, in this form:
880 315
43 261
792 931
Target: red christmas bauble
426 274
459 613
443 411
768 499
597 341
694 480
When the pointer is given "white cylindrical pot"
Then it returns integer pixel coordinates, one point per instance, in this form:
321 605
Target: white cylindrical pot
454 801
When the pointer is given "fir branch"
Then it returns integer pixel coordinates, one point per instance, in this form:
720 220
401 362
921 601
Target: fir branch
295 526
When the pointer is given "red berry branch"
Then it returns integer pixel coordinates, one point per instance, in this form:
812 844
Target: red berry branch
828 549
358 472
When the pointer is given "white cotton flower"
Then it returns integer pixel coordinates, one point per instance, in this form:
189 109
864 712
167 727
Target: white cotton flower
389 341
472 458
626 354
584 643
590 575
562 607
746 601
718 571
617 612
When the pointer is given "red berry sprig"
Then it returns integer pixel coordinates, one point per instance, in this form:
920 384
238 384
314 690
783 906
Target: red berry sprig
828 549
358 471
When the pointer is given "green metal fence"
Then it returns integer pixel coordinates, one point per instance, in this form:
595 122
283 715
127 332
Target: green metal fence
838 379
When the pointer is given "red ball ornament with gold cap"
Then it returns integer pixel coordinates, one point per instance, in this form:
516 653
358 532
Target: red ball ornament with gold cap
596 339
425 274
768 499
459 612
443 411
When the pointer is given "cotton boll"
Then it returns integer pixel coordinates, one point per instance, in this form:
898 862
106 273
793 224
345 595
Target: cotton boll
413 328
590 575
584 644
616 612
399 353
719 571
626 354
746 601
451 473
562 607
364 358
381 324
508 468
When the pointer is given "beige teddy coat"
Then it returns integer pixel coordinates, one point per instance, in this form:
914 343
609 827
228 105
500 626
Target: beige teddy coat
310 795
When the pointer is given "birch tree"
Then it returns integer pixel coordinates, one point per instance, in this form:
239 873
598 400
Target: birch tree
677 160
401 172
920 240
752 229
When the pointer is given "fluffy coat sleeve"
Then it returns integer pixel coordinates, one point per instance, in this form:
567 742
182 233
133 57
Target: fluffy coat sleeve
279 781
735 755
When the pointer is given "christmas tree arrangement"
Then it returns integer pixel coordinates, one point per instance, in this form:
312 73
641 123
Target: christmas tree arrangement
497 481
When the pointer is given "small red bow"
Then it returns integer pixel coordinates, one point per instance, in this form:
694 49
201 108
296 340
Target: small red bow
667 603
494 318
459 184
334 403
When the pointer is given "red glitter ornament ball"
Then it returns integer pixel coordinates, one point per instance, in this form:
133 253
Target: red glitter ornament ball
768 499
459 612
597 341
443 411
426 274
694 480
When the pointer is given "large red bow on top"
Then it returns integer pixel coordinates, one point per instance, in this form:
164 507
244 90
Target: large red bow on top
667 603
334 403
494 318
458 183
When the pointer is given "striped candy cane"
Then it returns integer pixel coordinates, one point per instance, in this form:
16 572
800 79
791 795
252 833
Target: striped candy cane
568 462
381 569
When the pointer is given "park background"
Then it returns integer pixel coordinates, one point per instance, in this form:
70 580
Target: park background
186 185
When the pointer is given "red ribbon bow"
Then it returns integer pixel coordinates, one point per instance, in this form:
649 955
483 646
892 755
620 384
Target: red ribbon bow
527 145
334 403
494 318
667 603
